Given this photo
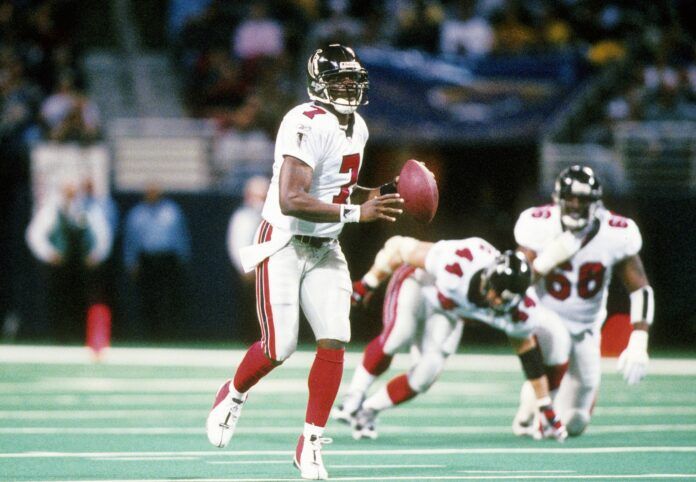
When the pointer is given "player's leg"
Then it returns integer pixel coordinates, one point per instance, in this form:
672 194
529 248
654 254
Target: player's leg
555 344
325 300
578 391
277 285
402 303
439 340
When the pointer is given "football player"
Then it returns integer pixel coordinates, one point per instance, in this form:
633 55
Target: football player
574 245
297 256
434 286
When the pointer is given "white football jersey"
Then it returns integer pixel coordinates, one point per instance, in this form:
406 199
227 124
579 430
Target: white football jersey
577 289
452 265
312 134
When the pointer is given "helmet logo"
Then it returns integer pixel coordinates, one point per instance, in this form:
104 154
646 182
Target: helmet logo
580 188
350 65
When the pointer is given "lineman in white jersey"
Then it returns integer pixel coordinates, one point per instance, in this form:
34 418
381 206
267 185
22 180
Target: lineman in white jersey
574 246
297 256
432 289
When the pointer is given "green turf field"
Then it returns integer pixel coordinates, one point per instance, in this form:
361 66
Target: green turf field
140 414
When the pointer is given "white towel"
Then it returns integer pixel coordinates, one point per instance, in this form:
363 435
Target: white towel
256 253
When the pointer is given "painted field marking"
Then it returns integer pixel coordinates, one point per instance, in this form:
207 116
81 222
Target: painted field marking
430 412
368 451
394 429
430 477
170 357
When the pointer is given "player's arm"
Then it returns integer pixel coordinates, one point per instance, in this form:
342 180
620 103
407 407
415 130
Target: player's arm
532 362
395 252
557 250
295 200
633 361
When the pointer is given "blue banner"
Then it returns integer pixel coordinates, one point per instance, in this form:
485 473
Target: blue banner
415 97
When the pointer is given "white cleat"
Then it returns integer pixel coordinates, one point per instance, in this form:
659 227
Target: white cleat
223 417
524 425
364 424
308 457
342 415
345 411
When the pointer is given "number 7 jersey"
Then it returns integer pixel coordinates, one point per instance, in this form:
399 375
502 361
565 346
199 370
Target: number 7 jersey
577 290
312 134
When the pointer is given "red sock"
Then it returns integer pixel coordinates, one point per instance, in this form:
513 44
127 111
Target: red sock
253 368
324 380
375 360
555 374
399 390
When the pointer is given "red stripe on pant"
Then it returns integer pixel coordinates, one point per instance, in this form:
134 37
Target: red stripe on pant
263 300
392 299
259 312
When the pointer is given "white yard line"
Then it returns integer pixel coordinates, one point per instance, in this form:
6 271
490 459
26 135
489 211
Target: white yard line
208 386
282 413
170 357
385 429
420 477
367 451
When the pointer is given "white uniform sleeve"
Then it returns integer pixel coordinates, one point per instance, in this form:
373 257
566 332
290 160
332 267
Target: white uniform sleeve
38 233
299 137
103 237
438 256
631 240
530 231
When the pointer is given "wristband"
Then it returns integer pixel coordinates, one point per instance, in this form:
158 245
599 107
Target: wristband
388 188
642 305
350 213
638 340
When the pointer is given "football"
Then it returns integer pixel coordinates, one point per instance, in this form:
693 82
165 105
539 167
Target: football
418 188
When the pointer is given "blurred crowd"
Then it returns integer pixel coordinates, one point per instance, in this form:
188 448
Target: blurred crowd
661 87
243 61
42 88
232 51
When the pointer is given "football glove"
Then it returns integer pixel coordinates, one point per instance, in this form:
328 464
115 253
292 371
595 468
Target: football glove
362 294
389 187
551 425
633 361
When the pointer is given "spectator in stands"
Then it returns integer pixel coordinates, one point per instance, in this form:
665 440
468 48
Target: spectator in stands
418 25
71 239
243 149
338 27
240 232
69 115
465 32
221 87
513 32
258 35
157 248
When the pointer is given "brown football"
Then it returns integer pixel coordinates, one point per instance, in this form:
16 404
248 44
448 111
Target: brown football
418 188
